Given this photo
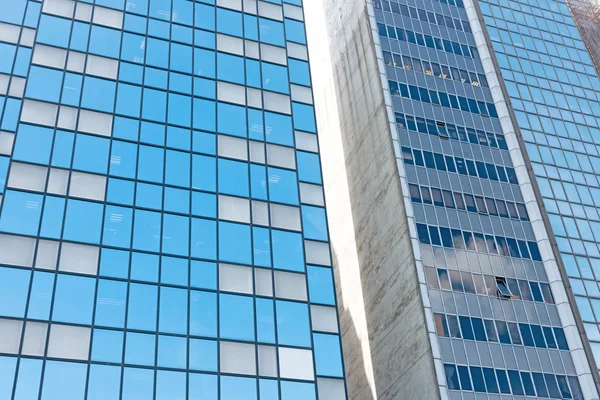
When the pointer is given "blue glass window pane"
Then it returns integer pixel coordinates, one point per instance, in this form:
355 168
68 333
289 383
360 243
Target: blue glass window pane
204 143
72 89
173 310
262 247
105 41
234 243
129 100
314 223
140 348
203 386
174 271
110 303
297 391
309 167
269 390
170 385
204 173
7 375
232 119
44 84
328 357
236 317
279 129
99 94
271 32
138 384
117 226
293 327
74 299
175 235
294 31
104 382
203 314
172 351
204 17
147 230
283 186
288 250
54 31
80 36
154 106
142 305
144 267
204 204
14 11
123 159
83 221
203 275
33 144
41 292
14 286
204 63
299 72
91 153
265 327
258 178
64 380
177 200
203 241
107 346
21 212
275 78
229 22
235 388
230 68
28 382
149 196
52 220
233 177
320 285
304 117
203 355
180 110
8 53
177 172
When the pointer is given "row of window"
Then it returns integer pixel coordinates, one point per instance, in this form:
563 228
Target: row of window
455 238
468 202
378 3
423 15
518 383
454 132
462 166
488 285
431 42
443 99
487 330
434 69
565 157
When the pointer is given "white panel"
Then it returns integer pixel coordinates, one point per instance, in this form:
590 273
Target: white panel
233 147
58 180
302 94
235 278
27 176
250 6
7 140
238 358
64 8
277 102
281 156
47 254
230 44
267 361
234 209
4 84
317 253
260 213
257 152
67 118
108 17
95 122
270 10
17 87
233 4
10 331
296 364
273 54
323 319
9 33
27 37
254 97
291 11
290 286
231 93
306 141
102 66
285 217
251 49
311 194
49 56
34 342
87 186
66 341
296 50
263 282
331 389
76 61
16 250
79 258
83 12
38 112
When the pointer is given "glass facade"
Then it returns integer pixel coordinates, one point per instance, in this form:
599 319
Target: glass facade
162 226
499 330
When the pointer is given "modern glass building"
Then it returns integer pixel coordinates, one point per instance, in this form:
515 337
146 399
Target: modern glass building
162 225
491 115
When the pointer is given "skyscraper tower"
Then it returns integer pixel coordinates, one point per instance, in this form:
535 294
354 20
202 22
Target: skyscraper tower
459 144
162 225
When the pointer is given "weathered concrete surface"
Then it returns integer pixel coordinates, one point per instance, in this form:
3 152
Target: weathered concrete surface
386 346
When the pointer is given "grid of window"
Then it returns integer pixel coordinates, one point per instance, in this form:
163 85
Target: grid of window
482 264
162 226
554 90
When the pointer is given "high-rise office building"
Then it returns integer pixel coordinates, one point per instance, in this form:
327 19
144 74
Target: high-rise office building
162 225
459 141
